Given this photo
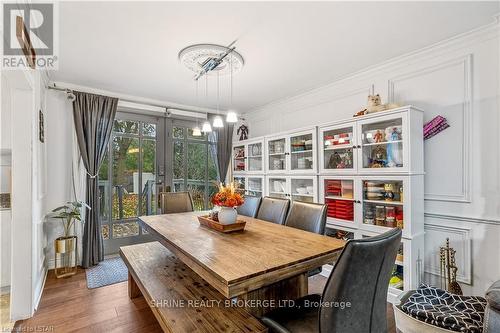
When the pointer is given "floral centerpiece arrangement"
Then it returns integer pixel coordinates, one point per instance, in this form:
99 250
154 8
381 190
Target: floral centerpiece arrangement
227 199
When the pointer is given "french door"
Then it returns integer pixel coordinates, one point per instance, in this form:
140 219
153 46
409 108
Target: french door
130 178
146 156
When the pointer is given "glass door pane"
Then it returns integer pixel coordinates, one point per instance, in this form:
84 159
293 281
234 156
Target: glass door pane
338 148
197 173
277 155
383 203
255 156
301 152
277 187
148 191
255 186
241 184
239 158
382 144
302 189
125 177
339 198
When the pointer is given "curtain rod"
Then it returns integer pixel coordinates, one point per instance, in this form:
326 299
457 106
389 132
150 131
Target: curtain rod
69 91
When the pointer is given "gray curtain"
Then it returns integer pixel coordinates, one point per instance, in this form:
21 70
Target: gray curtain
223 138
93 116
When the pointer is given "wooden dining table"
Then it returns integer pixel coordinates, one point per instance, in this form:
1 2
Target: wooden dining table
263 265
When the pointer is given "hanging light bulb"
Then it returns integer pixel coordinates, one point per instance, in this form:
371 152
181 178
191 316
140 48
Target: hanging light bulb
206 128
197 131
231 117
218 122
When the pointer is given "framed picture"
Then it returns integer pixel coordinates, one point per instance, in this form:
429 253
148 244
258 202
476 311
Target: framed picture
41 129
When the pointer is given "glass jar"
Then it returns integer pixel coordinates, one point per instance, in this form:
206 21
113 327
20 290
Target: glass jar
380 215
390 217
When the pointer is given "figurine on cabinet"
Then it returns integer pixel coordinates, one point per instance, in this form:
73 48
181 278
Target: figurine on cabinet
393 133
378 137
242 132
379 157
389 192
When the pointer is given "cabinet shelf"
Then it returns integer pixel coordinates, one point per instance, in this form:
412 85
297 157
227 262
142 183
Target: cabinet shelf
383 202
337 147
302 151
381 143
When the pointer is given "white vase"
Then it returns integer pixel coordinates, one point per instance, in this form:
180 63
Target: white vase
227 215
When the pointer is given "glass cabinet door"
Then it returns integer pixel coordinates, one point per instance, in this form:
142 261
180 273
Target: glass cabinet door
302 152
255 186
254 157
241 184
277 155
337 148
339 197
383 203
277 187
239 160
303 189
383 143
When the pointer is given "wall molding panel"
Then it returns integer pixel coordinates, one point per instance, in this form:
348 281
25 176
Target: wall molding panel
460 240
465 64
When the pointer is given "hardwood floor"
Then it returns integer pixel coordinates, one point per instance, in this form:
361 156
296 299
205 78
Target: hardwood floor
68 306
5 324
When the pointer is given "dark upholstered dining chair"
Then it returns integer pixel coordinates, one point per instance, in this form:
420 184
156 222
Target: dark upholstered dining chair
358 282
250 206
176 202
308 217
273 210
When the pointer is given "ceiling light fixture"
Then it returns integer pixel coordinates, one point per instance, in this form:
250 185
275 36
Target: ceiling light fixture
210 59
231 116
196 129
206 127
218 120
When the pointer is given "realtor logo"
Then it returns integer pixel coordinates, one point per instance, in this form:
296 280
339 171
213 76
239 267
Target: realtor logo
29 39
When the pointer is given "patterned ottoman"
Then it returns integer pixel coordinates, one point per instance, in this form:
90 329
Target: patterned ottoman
445 310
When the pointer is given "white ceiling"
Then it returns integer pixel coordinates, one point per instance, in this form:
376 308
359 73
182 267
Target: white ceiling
132 47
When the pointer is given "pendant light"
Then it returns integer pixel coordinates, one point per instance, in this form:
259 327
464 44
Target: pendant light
218 120
231 116
206 127
196 129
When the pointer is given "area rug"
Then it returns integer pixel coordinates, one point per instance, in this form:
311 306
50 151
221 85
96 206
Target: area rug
109 271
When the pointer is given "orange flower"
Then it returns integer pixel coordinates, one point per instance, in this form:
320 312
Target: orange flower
227 196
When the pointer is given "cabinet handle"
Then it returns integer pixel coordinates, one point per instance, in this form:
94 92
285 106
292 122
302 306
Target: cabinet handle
359 146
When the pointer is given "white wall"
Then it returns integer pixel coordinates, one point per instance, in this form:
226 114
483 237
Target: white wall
26 92
59 158
459 79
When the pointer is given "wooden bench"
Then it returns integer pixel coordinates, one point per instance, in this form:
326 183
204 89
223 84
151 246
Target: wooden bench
179 298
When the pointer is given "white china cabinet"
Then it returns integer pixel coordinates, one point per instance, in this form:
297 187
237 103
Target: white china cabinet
383 142
295 188
248 157
292 152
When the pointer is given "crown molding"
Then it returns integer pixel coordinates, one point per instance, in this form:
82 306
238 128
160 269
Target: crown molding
471 37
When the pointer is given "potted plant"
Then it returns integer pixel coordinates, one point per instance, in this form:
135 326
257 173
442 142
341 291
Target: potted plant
227 199
65 246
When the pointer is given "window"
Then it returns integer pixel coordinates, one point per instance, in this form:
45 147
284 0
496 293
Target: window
193 167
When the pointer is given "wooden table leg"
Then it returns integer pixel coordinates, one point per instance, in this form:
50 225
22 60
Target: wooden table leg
133 289
283 291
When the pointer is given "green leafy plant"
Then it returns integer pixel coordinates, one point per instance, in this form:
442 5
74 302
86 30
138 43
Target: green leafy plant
69 213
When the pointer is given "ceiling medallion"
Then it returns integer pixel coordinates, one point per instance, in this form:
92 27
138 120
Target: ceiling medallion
194 56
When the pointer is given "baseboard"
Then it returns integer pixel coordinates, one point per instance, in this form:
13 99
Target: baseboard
39 291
